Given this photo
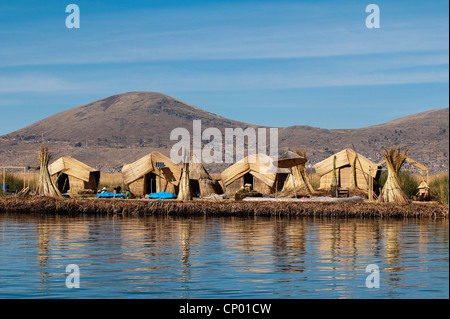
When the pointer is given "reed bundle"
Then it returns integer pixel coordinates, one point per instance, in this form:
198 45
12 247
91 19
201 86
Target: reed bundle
184 192
301 179
199 173
392 192
45 185
334 182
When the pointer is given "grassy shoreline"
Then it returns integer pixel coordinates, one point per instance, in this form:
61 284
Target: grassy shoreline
74 207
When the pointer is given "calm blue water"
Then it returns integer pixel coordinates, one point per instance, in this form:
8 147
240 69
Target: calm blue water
172 257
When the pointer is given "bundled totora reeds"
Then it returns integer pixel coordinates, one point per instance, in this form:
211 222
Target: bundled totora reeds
184 192
45 185
392 192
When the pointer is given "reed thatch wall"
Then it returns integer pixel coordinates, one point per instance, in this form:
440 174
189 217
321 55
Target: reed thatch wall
259 166
299 175
137 174
198 174
303 186
141 186
352 170
80 176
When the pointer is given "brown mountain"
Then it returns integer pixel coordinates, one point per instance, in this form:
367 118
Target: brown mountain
119 129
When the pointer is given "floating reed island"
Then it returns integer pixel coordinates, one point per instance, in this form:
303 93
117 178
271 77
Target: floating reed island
342 174
122 207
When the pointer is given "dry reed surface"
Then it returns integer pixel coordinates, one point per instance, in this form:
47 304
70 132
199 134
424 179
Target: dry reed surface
96 206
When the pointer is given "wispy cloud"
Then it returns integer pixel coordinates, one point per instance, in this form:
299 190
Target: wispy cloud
237 47
235 31
36 83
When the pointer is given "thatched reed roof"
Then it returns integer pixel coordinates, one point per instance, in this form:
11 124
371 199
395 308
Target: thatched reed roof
258 165
196 170
344 158
71 167
147 164
299 175
290 159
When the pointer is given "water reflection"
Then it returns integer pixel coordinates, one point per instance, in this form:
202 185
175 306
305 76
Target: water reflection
222 257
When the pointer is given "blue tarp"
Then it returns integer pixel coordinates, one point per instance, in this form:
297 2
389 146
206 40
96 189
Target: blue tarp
161 195
110 195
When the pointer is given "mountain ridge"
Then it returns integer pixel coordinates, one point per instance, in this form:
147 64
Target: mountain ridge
110 132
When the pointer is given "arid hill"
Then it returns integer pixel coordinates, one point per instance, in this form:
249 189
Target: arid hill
119 129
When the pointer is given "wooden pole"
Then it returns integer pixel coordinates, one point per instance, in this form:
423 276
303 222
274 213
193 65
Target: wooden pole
293 183
276 185
4 180
159 169
370 184
4 168
367 183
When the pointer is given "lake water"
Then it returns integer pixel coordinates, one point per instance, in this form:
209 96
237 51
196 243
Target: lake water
252 258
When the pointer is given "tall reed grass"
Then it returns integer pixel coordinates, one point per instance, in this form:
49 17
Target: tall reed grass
409 183
439 188
111 180
15 180
439 184
314 178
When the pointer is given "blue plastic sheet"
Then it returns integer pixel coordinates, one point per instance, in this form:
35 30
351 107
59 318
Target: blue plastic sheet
162 195
110 195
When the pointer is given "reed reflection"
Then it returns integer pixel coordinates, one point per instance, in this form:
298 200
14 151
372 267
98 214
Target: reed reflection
290 245
147 254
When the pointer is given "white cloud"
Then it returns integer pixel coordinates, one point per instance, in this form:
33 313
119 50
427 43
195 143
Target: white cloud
35 83
271 31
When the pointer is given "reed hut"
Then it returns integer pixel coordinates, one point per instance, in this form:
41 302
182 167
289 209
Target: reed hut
346 169
144 177
253 170
71 175
298 182
200 180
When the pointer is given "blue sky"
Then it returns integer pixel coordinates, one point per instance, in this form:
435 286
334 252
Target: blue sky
272 63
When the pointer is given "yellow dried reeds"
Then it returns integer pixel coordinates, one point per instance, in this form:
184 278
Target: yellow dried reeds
197 172
147 164
346 169
45 185
392 192
125 207
300 176
184 192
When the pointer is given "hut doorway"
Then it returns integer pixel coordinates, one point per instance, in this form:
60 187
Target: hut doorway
249 179
150 183
345 177
63 183
279 181
195 187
